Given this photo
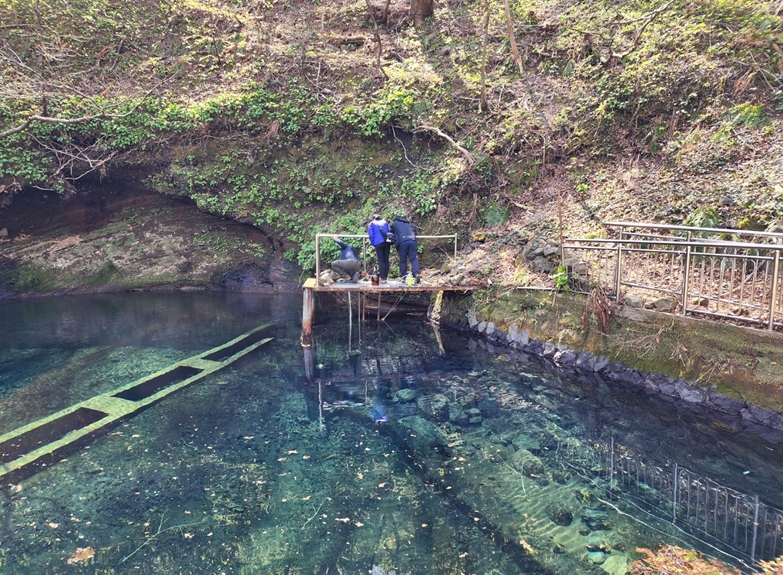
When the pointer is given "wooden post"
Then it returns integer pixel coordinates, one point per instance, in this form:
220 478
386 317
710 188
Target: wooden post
307 317
317 259
378 315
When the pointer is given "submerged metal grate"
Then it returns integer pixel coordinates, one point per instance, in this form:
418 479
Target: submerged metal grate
695 503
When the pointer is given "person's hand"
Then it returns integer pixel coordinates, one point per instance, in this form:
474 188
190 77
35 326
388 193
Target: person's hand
334 237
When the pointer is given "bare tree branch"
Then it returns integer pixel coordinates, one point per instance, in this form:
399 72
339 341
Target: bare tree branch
427 128
650 17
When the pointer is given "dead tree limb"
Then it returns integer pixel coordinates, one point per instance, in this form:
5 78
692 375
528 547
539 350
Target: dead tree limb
427 128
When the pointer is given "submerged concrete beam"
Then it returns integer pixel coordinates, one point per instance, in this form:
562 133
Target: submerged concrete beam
41 441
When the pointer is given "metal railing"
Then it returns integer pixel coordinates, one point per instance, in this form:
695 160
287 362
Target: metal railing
364 248
707 271
737 521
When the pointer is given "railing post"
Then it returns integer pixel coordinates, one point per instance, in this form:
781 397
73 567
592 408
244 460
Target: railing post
687 273
455 247
674 497
755 529
617 267
774 295
317 259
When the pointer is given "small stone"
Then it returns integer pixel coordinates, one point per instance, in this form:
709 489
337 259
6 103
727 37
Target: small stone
490 328
633 301
665 304
4 233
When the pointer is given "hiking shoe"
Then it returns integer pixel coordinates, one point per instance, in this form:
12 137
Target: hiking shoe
355 277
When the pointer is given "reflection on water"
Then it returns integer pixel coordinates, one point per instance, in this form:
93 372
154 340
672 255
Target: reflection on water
403 451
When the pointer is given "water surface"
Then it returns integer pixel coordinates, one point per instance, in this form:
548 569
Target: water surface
394 448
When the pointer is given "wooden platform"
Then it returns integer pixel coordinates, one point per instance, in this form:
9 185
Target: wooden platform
390 286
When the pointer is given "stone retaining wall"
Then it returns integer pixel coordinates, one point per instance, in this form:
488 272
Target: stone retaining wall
551 327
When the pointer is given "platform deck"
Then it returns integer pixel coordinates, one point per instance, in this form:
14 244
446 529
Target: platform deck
390 286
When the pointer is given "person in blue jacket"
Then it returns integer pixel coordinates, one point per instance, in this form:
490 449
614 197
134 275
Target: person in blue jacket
405 241
378 231
348 265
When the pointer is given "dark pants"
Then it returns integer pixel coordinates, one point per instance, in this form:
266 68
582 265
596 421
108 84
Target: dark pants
407 252
346 267
382 251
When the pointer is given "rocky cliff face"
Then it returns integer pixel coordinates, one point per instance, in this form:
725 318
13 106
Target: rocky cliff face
118 236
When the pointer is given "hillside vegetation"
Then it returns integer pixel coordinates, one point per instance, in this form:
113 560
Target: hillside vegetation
305 116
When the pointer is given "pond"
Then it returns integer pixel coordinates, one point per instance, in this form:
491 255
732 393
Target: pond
390 447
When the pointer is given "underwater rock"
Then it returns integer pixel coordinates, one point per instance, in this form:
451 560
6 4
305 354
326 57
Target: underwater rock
596 520
489 407
596 557
405 395
457 416
423 436
595 542
524 441
435 406
474 416
616 564
561 516
527 463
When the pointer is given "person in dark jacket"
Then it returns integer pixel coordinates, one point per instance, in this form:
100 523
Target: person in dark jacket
405 241
378 231
348 265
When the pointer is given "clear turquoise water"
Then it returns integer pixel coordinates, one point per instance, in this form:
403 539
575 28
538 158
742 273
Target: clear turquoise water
394 449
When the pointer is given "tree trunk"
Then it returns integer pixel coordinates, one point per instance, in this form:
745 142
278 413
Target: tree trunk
485 36
511 39
420 9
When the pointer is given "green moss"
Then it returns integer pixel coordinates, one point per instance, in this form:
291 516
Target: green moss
29 278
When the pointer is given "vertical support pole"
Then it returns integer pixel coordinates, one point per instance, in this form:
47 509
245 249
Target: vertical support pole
774 295
364 254
611 464
455 247
350 321
755 529
317 259
309 362
674 497
618 275
320 406
378 315
686 275
307 317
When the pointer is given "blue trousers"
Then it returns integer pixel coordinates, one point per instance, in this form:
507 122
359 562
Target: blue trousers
407 251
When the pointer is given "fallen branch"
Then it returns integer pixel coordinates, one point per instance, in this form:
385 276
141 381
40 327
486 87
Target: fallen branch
427 128
160 531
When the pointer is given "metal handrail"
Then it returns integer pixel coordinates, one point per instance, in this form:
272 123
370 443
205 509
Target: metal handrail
711 265
731 231
364 248
689 243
